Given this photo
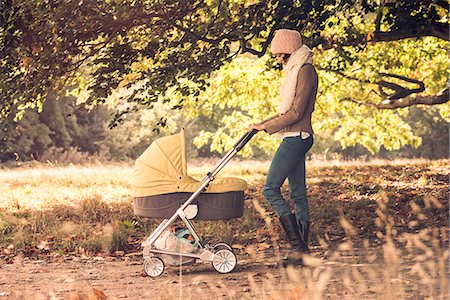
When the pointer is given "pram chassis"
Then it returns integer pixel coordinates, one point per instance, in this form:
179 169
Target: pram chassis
220 255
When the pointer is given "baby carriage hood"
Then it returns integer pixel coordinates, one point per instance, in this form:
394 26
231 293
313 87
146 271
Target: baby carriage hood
162 169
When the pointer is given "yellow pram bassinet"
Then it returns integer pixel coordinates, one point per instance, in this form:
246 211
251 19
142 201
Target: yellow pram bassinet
160 184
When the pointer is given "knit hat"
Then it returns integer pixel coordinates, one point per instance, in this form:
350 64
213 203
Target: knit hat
286 41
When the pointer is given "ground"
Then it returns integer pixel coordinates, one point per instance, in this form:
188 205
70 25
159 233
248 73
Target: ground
119 278
380 232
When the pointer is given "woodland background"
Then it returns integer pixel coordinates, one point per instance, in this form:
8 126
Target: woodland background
87 85
70 70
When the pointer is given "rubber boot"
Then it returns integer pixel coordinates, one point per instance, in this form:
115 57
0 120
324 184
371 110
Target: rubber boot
298 246
303 227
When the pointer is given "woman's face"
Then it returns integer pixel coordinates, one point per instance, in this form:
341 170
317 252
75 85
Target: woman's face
282 58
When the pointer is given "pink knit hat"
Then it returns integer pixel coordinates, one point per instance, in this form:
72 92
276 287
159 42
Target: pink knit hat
286 41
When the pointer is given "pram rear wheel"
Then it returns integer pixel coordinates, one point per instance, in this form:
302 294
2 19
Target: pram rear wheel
220 246
224 261
153 266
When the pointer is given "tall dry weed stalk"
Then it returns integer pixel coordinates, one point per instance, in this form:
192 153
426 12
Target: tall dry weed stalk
407 265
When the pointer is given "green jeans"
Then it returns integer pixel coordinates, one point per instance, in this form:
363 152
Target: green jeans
289 162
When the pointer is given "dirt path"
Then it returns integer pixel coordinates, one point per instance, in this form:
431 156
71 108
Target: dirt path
347 276
120 278
123 277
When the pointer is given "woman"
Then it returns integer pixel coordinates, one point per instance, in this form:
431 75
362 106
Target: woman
293 125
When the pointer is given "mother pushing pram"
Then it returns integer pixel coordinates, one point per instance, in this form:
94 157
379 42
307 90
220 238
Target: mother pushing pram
293 125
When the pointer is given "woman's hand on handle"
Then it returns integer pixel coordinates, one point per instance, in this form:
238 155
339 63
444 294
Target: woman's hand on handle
258 127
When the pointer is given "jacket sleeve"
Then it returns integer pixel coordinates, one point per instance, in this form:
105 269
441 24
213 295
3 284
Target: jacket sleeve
269 119
305 85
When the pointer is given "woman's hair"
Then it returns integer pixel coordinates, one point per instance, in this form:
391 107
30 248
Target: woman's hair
286 56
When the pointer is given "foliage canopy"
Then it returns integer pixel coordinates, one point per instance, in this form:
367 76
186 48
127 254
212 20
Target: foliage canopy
155 49
47 44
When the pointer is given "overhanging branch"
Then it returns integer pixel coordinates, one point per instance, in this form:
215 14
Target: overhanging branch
399 91
439 98
436 29
402 96
439 30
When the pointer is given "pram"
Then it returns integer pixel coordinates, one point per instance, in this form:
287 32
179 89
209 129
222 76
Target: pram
162 189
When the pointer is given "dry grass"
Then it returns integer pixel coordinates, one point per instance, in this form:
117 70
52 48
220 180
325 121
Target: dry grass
389 242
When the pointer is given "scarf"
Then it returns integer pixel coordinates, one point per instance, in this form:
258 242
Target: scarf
288 87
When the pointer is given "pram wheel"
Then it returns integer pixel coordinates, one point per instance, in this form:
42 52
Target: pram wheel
224 261
153 266
220 246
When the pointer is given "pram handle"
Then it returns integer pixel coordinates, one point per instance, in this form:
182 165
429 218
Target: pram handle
244 140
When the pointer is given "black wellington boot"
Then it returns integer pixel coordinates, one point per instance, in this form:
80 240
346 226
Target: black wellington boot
303 227
298 245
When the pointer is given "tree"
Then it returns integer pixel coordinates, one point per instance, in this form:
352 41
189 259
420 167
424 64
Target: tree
45 45
157 48
24 140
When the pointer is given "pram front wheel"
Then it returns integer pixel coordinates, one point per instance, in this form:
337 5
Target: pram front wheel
224 261
153 266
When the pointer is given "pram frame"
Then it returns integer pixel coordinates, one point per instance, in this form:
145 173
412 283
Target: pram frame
205 253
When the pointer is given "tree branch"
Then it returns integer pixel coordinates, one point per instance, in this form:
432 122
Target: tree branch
439 30
219 5
442 3
439 98
402 97
399 91
343 75
378 19
280 12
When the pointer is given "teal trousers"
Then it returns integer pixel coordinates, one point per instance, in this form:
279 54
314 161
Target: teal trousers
289 162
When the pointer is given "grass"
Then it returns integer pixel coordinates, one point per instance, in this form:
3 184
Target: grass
394 214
